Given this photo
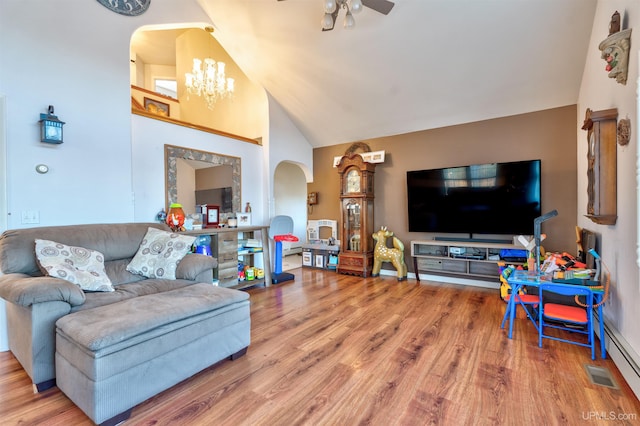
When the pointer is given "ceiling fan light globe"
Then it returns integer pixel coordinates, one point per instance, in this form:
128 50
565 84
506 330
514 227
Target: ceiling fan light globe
356 6
349 21
329 6
327 21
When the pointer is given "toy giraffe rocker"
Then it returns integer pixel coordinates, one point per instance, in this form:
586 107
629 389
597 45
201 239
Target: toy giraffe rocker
382 253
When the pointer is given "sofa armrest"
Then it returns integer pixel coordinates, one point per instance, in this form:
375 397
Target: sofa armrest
192 265
25 290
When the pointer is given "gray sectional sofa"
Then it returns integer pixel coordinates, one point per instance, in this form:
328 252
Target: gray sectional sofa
35 302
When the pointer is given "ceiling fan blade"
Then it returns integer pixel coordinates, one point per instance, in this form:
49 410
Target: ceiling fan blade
382 6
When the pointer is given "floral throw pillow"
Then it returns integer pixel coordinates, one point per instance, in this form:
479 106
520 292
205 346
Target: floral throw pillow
159 254
80 266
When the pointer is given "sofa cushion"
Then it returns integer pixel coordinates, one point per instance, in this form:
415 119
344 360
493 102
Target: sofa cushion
78 265
129 291
117 272
192 265
113 240
113 325
159 254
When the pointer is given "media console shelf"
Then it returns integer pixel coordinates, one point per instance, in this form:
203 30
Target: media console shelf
462 259
225 248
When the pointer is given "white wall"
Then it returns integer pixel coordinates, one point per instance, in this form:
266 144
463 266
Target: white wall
286 143
4 341
149 138
619 242
84 73
75 55
290 195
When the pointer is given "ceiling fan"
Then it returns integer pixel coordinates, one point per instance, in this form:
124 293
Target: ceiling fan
332 8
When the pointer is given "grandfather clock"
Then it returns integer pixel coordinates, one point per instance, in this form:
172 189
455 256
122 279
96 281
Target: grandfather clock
356 204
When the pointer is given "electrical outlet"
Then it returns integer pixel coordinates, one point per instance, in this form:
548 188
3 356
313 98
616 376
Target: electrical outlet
30 217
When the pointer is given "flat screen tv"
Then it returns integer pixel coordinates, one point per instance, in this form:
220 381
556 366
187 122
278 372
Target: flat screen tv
495 198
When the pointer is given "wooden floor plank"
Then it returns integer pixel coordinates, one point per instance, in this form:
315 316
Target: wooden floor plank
332 349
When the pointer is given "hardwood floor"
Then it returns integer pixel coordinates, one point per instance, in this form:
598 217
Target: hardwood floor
331 349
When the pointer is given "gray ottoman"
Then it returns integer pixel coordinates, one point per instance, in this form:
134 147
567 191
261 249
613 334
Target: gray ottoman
111 358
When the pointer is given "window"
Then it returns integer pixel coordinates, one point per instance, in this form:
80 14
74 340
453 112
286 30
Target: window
166 87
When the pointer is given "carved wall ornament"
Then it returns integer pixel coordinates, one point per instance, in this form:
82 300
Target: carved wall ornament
624 131
357 146
614 24
615 51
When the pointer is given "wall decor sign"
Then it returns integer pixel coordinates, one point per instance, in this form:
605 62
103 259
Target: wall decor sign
156 107
244 219
369 157
126 7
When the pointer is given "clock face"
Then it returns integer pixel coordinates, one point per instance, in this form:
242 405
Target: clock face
353 181
212 215
126 7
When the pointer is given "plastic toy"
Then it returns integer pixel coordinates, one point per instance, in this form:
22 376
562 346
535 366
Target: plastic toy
382 253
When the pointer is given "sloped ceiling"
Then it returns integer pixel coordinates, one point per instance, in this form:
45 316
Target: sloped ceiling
428 64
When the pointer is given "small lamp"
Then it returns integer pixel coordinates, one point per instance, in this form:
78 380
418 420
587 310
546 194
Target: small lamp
50 127
538 236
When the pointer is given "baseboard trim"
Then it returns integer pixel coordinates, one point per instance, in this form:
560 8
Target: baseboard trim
446 279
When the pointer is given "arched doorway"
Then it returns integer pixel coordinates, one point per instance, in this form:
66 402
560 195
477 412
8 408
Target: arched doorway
290 199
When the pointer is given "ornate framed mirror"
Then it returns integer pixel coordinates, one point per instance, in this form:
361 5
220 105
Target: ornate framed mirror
173 154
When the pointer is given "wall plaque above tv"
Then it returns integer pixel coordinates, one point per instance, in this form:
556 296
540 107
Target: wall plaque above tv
494 198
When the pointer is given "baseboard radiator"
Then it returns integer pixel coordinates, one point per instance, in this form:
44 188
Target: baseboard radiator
625 358
286 251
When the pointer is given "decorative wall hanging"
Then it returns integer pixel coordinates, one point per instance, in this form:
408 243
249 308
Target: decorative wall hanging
127 7
615 50
156 107
624 131
601 127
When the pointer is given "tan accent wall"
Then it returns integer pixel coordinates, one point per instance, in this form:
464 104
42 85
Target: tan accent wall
549 135
214 177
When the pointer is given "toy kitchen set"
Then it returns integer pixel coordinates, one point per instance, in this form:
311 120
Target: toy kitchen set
322 247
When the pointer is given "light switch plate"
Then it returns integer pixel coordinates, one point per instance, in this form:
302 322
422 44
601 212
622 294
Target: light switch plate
30 217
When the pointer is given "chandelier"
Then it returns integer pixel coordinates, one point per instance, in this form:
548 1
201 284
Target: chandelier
209 81
331 9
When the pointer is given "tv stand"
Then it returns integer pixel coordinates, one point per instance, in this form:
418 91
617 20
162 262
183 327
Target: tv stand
475 259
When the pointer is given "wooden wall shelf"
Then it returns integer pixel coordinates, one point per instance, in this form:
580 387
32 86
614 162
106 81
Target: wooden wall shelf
601 127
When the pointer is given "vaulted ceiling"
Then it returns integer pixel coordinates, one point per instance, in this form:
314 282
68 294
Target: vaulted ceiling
427 64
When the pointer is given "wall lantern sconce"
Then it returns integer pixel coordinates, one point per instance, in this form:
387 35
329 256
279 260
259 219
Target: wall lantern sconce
50 127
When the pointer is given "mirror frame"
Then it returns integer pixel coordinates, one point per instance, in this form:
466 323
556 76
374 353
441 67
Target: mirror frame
171 155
